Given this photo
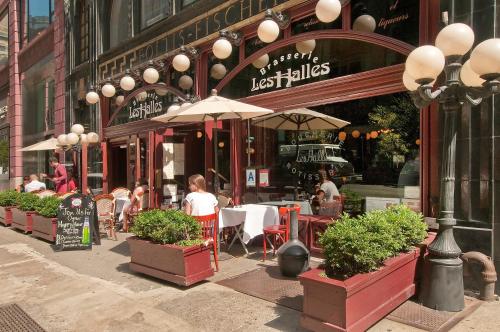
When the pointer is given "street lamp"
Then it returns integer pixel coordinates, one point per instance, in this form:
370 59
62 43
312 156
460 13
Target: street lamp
269 29
443 284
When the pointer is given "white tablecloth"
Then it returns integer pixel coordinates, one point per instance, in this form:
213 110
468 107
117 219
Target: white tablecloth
254 216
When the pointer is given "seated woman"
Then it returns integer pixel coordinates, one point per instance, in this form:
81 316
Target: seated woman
199 202
135 203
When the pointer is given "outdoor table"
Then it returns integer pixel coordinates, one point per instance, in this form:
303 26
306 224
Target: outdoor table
305 206
248 221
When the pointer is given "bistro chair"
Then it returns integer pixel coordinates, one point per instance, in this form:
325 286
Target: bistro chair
332 209
45 193
104 204
223 201
279 233
209 226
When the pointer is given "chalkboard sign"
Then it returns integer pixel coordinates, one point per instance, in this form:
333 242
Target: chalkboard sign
75 223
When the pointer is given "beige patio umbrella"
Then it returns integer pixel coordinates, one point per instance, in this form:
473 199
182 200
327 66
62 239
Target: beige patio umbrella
297 120
49 144
214 108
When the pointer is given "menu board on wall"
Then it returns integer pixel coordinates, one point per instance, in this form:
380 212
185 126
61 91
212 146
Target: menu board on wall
75 223
173 160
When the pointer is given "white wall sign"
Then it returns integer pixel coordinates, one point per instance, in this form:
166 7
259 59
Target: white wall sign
251 175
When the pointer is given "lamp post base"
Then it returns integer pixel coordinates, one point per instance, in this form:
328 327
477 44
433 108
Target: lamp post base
443 284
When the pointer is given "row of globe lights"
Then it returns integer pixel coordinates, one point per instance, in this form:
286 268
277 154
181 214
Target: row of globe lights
268 31
76 136
425 63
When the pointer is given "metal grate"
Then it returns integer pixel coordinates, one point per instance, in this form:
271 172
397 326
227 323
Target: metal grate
414 314
14 319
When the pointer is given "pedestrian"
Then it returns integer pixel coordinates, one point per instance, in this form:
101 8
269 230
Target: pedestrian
59 178
199 202
135 204
318 201
330 189
34 184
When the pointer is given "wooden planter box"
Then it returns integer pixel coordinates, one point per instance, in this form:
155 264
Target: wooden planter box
6 215
181 265
22 220
44 228
358 302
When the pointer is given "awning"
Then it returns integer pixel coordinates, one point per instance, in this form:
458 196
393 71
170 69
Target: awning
50 144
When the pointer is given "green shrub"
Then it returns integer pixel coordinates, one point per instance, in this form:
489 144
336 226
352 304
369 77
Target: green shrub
8 198
27 201
362 244
48 206
167 227
350 195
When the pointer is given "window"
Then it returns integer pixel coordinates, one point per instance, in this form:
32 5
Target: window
84 31
4 38
120 25
153 11
185 3
4 151
40 15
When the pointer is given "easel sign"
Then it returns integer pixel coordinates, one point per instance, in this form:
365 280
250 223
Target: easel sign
264 177
251 177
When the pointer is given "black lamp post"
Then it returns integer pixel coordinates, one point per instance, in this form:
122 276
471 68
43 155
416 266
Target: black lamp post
469 82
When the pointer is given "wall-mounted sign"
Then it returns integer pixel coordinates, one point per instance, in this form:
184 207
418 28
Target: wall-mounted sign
251 177
264 177
287 70
149 107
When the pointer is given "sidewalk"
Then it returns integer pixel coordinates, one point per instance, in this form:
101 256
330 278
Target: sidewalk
94 290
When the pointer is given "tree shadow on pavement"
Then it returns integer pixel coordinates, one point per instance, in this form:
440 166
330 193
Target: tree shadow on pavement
122 249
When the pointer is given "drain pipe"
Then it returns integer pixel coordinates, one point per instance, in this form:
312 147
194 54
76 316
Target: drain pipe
488 273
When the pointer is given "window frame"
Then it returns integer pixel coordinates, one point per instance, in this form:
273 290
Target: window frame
51 3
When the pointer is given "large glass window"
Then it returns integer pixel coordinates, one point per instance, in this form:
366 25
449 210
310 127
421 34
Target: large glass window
153 11
120 25
4 38
84 31
40 15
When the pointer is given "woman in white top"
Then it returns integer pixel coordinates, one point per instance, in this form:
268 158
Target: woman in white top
199 202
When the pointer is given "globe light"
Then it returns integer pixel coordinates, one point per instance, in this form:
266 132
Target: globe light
222 48
173 108
425 62
92 97
181 62
141 96
417 141
160 91
84 139
469 77
409 82
374 134
305 46
199 134
108 90
328 10
268 31
119 100
221 145
485 58
127 83
61 139
151 75
342 136
185 82
92 138
72 139
261 62
455 39
218 71
355 133
364 23
77 129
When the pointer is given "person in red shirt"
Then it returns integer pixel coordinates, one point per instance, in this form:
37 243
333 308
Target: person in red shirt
60 177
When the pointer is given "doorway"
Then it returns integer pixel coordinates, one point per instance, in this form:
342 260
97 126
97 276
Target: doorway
117 173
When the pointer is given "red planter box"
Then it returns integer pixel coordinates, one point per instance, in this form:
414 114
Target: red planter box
6 215
44 228
181 265
22 220
358 302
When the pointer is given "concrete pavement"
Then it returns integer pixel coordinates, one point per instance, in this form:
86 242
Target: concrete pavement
94 290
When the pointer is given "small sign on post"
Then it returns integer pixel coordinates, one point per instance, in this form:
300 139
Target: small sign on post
251 177
75 223
264 177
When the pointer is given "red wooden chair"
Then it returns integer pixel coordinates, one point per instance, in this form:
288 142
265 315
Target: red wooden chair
280 233
209 224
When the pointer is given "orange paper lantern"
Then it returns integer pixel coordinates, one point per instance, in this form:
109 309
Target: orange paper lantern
342 136
355 133
417 141
374 134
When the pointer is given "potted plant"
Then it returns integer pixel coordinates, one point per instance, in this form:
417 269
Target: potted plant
45 219
353 202
369 269
22 213
168 246
8 199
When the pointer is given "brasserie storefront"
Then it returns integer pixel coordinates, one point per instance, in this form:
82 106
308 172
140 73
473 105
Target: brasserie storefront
350 69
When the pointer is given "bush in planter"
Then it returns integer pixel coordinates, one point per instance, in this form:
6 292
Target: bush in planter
48 206
167 227
8 198
27 201
361 244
